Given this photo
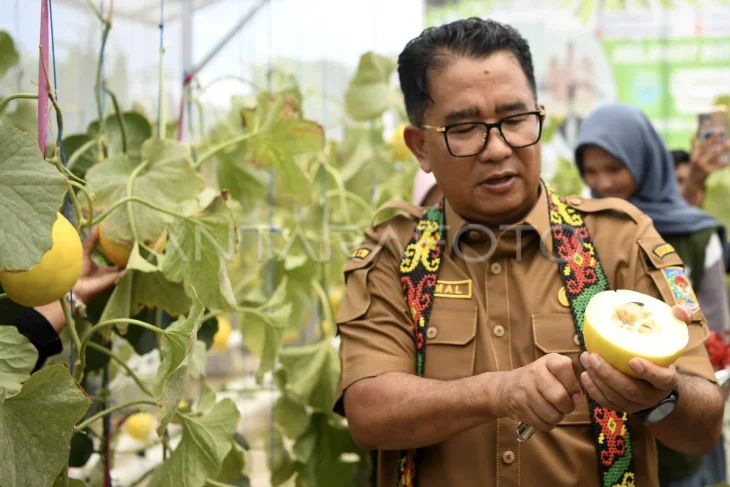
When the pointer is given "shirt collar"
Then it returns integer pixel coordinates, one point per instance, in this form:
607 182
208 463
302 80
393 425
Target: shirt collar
538 220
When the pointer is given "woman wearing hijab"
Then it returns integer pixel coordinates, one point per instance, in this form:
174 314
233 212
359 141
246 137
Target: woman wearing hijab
620 154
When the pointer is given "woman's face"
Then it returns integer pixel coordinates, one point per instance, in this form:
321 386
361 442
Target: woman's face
606 175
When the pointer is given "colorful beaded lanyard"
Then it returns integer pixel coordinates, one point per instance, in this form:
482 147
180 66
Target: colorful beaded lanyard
582 276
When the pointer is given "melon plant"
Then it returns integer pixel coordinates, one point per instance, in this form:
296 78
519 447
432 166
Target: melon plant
249 225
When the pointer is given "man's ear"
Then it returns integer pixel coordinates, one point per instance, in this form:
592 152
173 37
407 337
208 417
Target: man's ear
416 142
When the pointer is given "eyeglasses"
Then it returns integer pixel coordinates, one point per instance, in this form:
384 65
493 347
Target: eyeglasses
468 139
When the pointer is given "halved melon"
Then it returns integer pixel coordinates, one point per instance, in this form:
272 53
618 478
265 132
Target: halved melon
620 325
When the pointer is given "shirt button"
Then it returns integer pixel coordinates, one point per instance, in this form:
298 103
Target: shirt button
496 268
508 457
576 339
575 201
498 331
432 332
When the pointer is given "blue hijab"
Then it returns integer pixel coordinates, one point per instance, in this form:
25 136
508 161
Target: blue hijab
628 135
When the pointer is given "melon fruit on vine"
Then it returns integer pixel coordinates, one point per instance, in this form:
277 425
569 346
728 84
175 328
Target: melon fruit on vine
118 252
54 276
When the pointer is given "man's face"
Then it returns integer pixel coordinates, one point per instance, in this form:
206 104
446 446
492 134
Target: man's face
500 184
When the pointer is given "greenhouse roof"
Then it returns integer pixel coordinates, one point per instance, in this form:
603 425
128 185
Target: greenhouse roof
148 11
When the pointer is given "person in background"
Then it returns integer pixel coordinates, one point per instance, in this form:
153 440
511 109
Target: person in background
619 154
692 170
425 189
42 324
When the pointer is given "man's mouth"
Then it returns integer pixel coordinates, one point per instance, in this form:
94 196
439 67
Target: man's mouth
499 179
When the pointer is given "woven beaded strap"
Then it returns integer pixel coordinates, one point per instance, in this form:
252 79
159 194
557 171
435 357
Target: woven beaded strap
583 278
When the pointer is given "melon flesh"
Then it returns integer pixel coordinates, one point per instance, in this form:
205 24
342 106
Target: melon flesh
620 325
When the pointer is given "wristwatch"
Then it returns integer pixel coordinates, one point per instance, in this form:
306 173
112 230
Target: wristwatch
661 410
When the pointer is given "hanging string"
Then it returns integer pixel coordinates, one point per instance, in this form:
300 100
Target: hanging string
162 47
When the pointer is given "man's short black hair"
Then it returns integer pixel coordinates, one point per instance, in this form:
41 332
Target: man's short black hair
473 37
680 157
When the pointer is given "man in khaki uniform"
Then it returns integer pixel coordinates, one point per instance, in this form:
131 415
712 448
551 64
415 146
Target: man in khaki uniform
502 347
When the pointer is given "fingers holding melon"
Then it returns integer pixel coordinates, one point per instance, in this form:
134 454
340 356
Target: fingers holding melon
620 325
118 252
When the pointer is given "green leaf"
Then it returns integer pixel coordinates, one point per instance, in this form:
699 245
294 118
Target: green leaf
36 426
280 134
86 161
197 360
281 465
206 441
313 372
263 328
198 250
31 191
234 465
138 131
291 415
17 359
167 179
23 118
318 453
8 54
370 94
175 349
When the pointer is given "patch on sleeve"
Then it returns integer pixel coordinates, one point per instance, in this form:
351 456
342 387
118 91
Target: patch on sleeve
360 253
681 287
663 250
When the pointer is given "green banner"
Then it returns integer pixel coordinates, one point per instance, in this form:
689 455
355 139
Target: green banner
671 80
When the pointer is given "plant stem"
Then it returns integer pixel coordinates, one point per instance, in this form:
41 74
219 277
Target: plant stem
104 324
222 146
71 324
3 296
325 306
79 153
96 11
121 362
98 86
89 203
101 414
120 118
17 96
244 81
135 199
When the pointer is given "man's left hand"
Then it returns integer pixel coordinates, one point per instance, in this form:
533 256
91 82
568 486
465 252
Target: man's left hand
615 390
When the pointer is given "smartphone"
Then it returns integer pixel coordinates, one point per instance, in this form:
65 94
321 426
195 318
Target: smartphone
714 121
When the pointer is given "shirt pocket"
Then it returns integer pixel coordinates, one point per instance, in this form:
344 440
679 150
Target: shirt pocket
555 333
450 341
356 299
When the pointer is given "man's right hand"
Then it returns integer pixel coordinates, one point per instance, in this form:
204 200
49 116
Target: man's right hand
541 393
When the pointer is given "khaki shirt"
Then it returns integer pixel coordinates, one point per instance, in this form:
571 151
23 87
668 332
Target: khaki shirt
498 314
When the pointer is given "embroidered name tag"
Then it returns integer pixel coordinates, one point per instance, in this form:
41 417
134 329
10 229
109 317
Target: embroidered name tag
681 287
663 250
360 253
453 289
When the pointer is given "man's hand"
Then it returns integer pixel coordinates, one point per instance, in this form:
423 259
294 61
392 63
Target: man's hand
615 390
542 393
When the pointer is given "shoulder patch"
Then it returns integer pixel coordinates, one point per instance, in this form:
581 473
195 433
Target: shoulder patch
595 205
360 253
681 287
663 249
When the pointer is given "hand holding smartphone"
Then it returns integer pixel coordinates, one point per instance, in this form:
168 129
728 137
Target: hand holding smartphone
713 125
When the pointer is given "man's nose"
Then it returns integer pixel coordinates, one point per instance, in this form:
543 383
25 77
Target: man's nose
497 149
